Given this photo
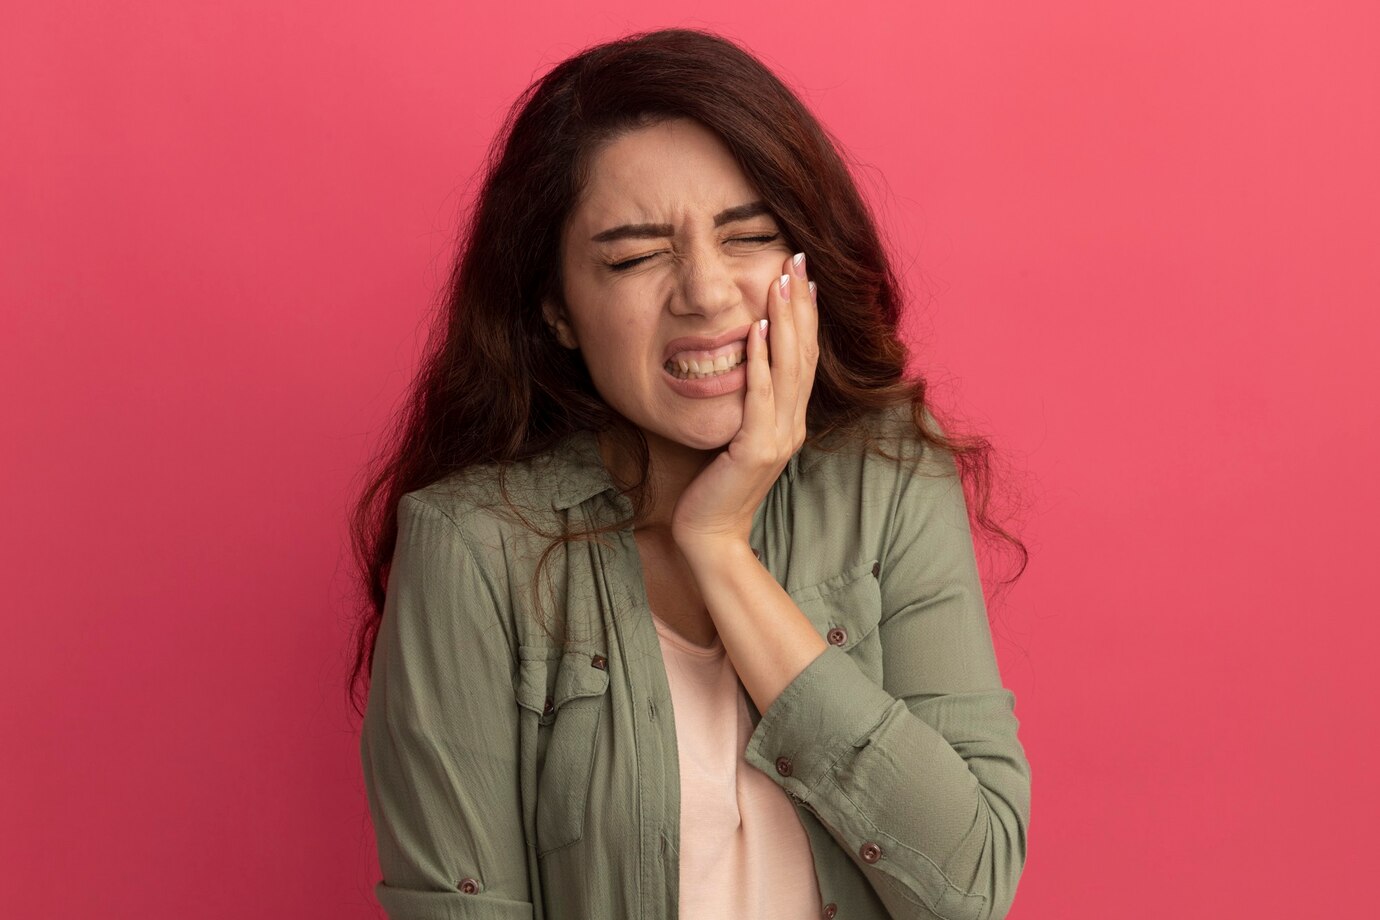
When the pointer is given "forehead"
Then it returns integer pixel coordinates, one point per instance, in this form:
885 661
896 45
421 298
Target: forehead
664 173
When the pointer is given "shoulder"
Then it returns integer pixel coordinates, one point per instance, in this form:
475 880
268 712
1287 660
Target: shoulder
885 448
478 502
878 481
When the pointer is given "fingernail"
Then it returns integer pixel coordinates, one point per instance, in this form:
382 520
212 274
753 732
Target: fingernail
798 264
762 324
812 290
785 286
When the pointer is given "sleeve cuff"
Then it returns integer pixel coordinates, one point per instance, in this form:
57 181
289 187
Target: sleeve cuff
830 708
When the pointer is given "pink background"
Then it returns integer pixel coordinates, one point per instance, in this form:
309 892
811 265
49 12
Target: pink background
1142 245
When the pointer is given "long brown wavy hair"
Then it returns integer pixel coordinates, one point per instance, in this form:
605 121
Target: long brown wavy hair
495 386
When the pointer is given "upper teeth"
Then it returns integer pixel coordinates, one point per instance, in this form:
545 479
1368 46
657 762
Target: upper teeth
720 363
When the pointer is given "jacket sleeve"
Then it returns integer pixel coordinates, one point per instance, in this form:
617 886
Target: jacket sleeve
439 739
922 780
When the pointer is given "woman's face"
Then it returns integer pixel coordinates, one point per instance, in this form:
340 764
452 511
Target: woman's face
665 187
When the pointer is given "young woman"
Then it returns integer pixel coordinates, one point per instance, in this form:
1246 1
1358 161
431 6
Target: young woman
674 609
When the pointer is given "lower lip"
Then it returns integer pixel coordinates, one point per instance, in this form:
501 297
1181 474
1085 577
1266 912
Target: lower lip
705 387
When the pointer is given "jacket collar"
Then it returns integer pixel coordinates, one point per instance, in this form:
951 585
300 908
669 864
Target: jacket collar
578 473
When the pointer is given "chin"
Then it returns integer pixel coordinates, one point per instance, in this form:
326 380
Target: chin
707 433
706 443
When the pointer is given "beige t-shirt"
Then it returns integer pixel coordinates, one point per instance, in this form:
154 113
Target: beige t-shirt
743 851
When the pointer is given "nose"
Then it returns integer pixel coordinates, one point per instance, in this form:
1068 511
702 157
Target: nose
708 280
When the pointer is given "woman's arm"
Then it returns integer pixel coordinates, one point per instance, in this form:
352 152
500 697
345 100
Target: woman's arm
439 741
922 780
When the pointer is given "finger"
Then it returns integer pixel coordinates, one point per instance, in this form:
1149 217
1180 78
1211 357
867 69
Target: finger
809 358
803 328
757 405
803 331
785 349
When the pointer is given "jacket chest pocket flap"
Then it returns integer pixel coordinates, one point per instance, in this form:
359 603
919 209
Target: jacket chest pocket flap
566 692
846 610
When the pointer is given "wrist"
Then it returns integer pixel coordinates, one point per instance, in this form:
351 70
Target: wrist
708 554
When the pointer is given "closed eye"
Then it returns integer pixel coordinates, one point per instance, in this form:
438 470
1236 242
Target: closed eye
624 266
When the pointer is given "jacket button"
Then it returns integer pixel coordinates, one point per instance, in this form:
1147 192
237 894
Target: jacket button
550 705
830 909
876 567
600 662
870 852
838 635
469 886
783 766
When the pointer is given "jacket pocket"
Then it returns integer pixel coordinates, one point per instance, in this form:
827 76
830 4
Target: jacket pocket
565 694
846 610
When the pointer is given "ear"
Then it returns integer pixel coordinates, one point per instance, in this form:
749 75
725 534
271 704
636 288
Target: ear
560 325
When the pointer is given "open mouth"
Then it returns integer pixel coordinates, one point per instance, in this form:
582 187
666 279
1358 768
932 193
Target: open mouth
703 366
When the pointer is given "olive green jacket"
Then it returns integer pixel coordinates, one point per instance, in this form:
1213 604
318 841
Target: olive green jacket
513 776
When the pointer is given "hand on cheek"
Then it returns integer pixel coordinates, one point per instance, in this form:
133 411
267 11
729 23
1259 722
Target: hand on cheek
719 505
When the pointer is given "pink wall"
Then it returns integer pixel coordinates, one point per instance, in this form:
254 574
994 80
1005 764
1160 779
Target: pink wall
1143 239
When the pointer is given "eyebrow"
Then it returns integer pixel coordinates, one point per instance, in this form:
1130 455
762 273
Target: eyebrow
643 231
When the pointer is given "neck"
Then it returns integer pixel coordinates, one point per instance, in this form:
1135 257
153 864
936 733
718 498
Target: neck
672 468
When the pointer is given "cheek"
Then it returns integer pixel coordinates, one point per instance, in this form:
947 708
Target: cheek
618 356
621 331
